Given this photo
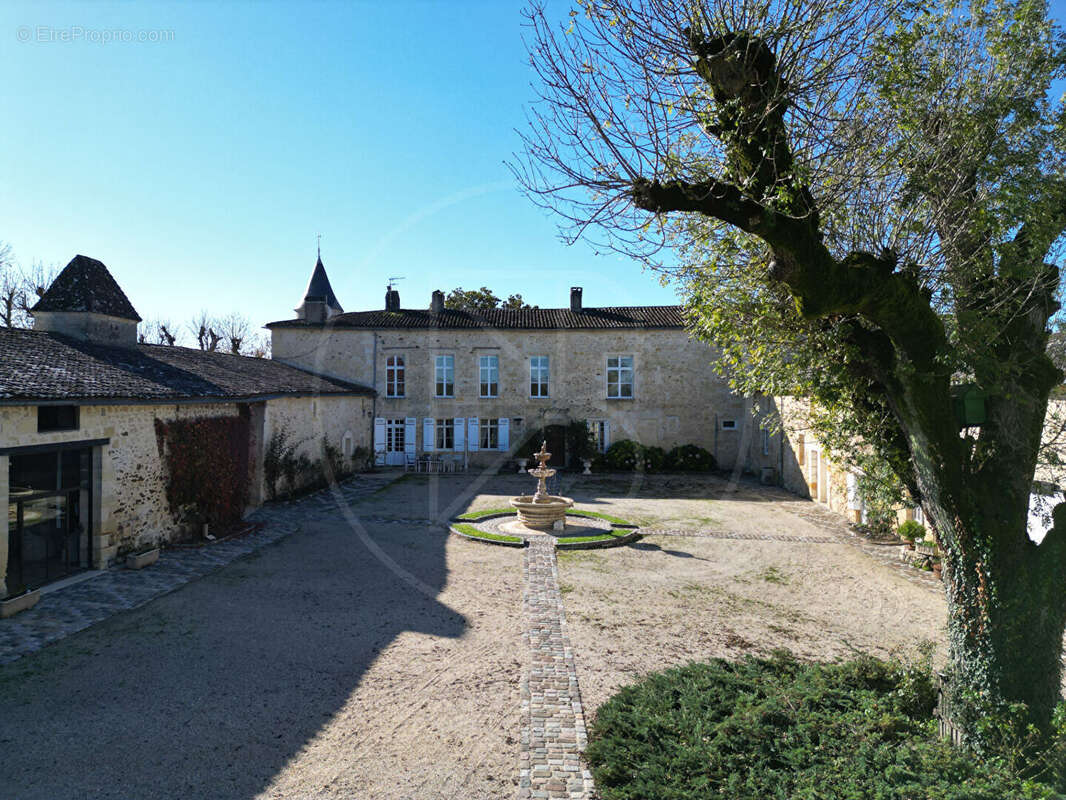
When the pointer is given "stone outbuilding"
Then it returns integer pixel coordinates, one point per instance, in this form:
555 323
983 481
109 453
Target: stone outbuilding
82 470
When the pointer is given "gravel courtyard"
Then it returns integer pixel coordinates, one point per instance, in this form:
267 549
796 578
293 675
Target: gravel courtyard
382 659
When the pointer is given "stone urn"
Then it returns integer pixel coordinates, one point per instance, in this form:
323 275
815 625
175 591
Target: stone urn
522 465
587 462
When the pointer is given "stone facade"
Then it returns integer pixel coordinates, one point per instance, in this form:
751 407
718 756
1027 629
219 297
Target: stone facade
677 397
129 506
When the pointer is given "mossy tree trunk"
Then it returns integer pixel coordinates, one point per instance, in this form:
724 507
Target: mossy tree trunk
1006 595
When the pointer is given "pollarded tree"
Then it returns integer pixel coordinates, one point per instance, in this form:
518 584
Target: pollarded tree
865 198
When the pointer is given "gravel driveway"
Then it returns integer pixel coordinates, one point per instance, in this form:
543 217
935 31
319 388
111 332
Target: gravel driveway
383 659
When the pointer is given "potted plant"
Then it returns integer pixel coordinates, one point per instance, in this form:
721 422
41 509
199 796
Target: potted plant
910 531
20 599
142 559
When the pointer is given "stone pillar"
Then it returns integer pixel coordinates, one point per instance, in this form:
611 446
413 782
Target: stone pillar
5 475
103 517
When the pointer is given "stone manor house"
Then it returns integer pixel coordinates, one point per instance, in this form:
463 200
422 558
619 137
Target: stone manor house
83 468
471 387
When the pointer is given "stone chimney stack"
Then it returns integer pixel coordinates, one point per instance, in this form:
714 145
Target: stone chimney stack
437 303
392 300
575 299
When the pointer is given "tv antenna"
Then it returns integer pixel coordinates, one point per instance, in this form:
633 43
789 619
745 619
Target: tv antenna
393 280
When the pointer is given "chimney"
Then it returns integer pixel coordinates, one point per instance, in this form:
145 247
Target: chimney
575 299
392 300
437 304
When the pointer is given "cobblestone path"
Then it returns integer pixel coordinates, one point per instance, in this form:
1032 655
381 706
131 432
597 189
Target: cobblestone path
72 608
553 723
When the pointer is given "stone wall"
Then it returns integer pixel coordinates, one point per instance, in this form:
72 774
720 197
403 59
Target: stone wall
678 399
130 506
344 422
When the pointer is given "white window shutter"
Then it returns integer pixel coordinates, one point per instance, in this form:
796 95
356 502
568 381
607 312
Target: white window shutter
379 440
472 430
429 439
505 433
410 433
458 422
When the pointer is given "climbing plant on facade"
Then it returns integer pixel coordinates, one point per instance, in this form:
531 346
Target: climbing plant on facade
863 200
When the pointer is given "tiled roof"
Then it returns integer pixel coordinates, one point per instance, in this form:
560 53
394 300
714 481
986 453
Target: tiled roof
86 285
621 317
35 365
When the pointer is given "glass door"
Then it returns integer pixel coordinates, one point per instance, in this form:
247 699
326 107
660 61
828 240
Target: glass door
48 517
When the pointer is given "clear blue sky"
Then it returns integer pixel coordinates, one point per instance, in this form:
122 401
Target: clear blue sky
200 168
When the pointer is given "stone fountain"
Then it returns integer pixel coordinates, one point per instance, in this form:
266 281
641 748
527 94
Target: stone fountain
542 511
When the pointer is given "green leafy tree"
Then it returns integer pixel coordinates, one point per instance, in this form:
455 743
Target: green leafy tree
483 299
866 198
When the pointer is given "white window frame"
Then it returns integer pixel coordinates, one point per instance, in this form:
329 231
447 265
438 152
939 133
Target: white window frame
442 428
489 434
619 370
601 433
489 376
729 424
395 377
542 365
444 375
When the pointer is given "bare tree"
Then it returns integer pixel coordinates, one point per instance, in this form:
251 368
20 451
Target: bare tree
11 290
205 328
158 331
235 329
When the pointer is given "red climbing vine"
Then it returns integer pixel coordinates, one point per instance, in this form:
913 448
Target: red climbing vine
206 468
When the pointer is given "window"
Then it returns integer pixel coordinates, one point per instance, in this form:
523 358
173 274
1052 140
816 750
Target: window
599 430
57 418
766 443
620 377
395 435
445 376
394 380
538 376
489 374
446 433
489 434
729 424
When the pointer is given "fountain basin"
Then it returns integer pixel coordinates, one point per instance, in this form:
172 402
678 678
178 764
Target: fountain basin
541 514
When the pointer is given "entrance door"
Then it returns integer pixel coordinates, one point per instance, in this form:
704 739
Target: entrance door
555 435
394 442
48 517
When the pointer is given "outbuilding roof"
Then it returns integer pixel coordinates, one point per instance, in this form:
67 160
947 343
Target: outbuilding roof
40 366
86 285
621 317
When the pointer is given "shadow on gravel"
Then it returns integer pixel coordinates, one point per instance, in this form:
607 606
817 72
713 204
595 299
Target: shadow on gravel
210 691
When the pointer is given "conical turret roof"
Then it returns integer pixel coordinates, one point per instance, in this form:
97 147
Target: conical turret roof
318 289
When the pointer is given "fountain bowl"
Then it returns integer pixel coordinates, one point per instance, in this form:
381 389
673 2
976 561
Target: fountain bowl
541 514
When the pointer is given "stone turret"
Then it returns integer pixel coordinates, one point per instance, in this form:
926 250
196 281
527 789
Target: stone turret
319 303
85 302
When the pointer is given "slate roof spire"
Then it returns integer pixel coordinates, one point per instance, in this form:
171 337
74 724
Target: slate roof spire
86 285
319 300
